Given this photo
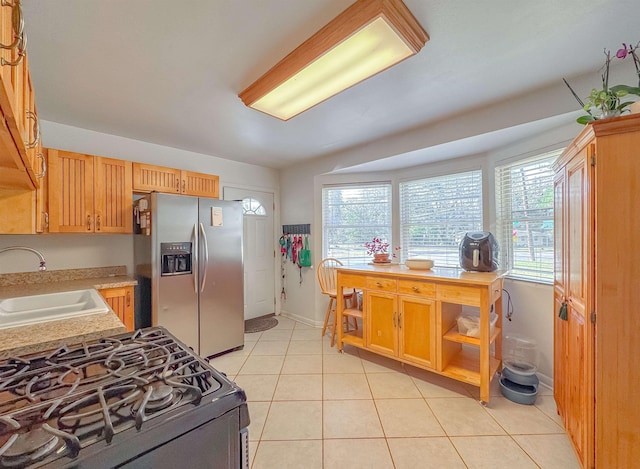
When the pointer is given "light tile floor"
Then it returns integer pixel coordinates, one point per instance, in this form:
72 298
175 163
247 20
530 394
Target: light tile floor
312 407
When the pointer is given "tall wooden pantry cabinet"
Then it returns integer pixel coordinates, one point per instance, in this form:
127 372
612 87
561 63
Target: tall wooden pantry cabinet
596 292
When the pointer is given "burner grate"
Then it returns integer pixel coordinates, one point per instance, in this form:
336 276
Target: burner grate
70 398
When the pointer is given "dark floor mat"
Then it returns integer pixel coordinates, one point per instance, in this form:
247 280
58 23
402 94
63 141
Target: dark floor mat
259 324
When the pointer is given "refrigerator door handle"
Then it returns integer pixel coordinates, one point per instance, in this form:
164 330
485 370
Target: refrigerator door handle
206 257
194 253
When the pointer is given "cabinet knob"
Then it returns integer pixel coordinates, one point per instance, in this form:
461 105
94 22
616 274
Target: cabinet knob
128 298
184 186
378 284
98 223
88 222
415 289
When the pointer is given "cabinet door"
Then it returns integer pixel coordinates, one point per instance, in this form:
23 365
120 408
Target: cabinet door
112 196
381 322
416 328
31 130
579 363
42 196
121 302
70 192
578 403
7 36
560 358
148 178
17 170
559 288
199 184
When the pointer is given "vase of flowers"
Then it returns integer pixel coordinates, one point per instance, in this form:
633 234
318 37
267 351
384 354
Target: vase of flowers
606 102
379 249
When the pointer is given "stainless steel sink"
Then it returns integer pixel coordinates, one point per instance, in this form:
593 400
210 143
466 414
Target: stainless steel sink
25 310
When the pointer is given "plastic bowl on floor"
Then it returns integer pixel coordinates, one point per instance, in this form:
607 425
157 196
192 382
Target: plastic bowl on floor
519 393
526 380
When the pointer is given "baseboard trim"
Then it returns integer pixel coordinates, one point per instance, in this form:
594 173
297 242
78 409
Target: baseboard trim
302 319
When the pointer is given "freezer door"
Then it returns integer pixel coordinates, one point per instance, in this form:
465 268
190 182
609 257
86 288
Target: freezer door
221 276
175 297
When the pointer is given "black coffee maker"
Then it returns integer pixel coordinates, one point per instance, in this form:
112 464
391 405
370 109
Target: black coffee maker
479 252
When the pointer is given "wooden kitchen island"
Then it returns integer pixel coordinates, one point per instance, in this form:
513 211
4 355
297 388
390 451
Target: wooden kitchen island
411 316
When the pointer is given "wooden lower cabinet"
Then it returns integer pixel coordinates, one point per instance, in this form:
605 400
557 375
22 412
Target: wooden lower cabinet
401 326
381 316
120 300
417 323
411 316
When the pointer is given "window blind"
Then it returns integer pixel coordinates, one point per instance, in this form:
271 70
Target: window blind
524 217
436 212
352 215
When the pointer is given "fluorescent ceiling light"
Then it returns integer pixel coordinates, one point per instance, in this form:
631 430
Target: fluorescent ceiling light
367 38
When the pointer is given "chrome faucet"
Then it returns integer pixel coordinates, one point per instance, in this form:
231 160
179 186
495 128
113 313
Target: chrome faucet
43 266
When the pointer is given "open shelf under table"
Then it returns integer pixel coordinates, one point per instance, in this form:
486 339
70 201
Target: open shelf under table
465 366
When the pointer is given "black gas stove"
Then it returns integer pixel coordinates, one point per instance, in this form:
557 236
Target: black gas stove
140 399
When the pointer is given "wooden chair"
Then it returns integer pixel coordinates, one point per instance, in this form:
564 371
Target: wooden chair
327 279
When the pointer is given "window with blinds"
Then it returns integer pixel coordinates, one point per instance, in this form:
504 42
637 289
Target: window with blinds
524 217
352 215
436 212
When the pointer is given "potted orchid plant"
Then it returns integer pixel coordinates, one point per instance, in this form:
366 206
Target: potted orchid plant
379 249
607 101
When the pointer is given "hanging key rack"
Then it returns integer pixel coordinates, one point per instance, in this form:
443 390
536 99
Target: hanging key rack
293 240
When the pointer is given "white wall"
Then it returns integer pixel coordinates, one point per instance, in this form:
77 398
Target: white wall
66 251
69 251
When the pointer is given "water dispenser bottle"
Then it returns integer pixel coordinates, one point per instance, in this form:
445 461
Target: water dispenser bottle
520 354
519 382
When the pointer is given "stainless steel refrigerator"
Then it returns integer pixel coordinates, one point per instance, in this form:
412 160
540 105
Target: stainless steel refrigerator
188 263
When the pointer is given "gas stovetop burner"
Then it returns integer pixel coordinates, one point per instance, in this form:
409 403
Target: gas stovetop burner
160 396
29 447
58 403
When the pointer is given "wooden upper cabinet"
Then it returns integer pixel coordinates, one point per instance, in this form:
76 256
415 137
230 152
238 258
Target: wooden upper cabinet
150 178
199 184
17 103
89 194
112 196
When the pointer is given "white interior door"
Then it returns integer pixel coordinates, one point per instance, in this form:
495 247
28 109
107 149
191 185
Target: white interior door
259 277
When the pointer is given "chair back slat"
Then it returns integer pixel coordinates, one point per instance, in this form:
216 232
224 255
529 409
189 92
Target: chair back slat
327 275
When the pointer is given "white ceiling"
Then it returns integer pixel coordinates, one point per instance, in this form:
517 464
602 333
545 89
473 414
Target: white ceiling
168 72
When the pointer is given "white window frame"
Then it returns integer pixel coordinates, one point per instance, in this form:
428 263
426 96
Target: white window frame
523 229
350 249
424 206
